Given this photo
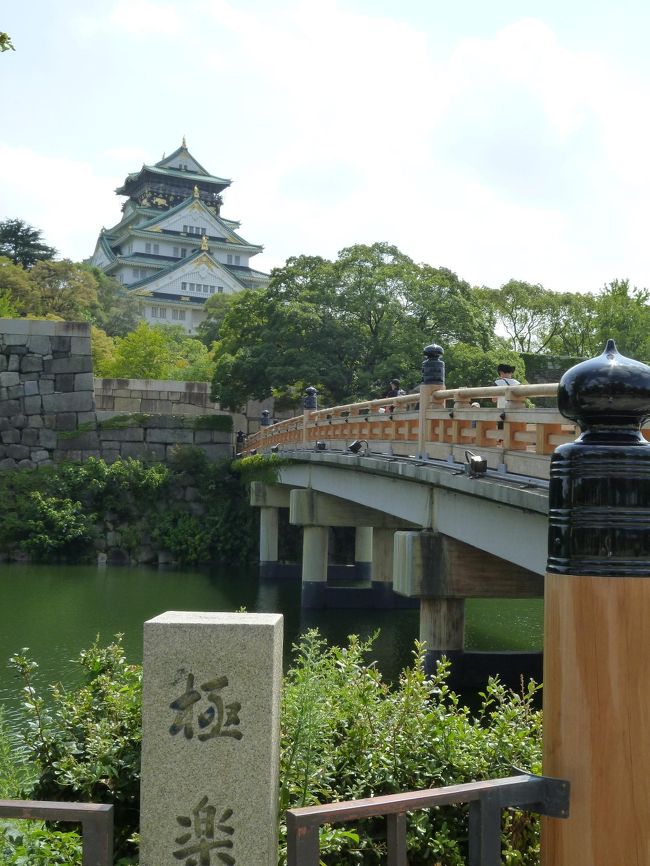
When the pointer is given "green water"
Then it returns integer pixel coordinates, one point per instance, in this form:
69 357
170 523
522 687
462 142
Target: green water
58 610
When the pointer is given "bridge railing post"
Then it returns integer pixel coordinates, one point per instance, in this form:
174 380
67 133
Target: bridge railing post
433 379
596 613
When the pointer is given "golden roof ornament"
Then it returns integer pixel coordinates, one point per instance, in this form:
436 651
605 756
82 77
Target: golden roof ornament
204 244
196 191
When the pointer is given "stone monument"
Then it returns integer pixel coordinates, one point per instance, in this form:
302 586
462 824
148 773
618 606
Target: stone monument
210 739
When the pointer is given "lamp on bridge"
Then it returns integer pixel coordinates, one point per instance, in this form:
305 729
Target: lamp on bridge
275 449
321 446
357 445
476 466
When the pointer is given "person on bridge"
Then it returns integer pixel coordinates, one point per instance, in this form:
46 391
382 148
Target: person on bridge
394 389
505 377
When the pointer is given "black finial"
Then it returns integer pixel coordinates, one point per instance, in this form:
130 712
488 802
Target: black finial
433 368
607 392
599 492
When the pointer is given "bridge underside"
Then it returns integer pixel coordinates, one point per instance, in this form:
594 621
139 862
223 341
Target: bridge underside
425 535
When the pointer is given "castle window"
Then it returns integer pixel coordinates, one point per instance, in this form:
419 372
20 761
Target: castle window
220 289
163 312
229 259
147 247
178 315
236 260
183 252
156 249
183 287
175 251
154 312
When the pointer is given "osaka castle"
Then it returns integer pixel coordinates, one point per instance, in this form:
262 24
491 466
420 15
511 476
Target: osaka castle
172 249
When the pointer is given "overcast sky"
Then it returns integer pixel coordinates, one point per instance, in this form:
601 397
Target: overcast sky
505 139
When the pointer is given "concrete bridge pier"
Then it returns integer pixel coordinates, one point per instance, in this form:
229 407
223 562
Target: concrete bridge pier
363 552
270 499
316 512
442 572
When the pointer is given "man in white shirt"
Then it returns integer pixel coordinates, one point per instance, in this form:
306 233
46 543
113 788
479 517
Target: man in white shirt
505 374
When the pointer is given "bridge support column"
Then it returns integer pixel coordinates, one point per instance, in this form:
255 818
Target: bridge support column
442 626
382 565
363 552
269 518
314 565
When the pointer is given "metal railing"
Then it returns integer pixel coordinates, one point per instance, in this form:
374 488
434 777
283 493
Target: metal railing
96 821
539 794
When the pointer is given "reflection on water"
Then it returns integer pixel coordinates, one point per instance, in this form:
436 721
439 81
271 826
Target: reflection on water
58 610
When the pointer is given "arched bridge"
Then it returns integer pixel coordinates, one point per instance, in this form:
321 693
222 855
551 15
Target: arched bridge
448 495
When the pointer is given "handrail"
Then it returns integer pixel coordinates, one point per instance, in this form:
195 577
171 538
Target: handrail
96 823
539 794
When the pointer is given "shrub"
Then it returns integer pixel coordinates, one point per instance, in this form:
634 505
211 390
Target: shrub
345 734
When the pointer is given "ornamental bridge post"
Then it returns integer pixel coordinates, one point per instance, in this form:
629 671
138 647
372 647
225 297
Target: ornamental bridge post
597 618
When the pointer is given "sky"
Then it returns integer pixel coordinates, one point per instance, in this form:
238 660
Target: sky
501 140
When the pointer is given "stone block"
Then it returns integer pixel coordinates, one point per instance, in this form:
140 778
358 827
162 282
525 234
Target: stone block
71 402
61 344
31 387
84 382
126 404
13 363
47 438
171 436
18 452
25 464
46 386
110 455
82 441
15 339
210 745
66 421
4 424
33 405
142 451
19 421
9 407
69 364
35 421
64 381
10 437
8 463
29 436
128 434
104 402
216 452
72 456
86 418
15 392
148 405
39 345
8 379
80 345
3 363
40 456
31 363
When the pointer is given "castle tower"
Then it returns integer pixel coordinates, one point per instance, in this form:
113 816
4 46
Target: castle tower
172 248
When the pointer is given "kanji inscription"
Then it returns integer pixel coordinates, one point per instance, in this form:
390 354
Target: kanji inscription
202 835
218 719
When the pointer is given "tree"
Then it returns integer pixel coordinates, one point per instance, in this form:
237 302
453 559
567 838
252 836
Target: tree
529 314
472 367
23 244
15 285
215 308
623 313
6 43
62 289
102 348
116 313
346 327
143 354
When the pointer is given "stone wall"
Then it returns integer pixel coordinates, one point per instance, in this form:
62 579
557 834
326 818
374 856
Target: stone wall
46 387
48 410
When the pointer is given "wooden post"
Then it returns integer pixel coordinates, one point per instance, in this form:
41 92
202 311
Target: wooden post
597 619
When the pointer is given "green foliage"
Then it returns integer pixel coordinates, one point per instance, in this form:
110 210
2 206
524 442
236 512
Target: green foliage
472 367
5 42
85 744
19 241
260 467
222 423
346 735
159 352
56 526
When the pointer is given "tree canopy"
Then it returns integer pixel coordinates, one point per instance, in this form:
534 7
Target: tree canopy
23 244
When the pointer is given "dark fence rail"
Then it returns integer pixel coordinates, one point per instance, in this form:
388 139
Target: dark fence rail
486 800
96 821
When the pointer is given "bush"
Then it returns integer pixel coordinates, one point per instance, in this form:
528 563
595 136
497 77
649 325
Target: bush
85 746
345 734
